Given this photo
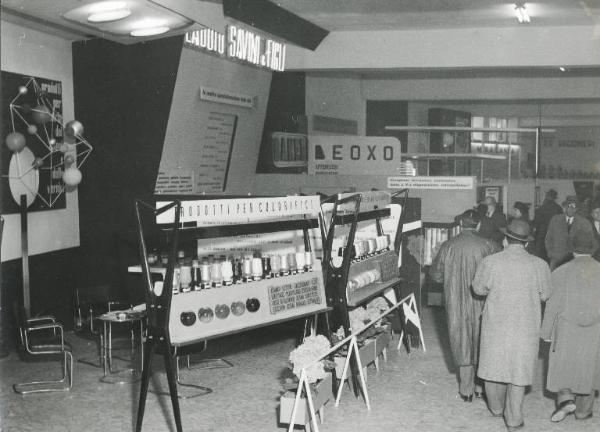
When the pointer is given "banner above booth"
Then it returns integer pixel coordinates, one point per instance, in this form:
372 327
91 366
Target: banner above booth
353 155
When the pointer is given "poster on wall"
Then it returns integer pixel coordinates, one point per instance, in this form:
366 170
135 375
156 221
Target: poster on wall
33 170
353 155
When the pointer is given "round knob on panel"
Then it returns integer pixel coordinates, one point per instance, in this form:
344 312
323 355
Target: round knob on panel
205 315
222 311
187 318
252 304
238 308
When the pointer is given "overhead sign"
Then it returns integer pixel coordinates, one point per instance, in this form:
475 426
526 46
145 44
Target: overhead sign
226 97
353 155
240 210
444 183
241 44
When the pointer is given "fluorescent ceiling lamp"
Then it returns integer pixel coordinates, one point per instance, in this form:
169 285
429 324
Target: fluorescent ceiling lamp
149 31
107 16
521 13
106 6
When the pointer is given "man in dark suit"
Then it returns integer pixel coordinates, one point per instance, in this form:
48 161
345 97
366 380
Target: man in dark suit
492 221
562 229
543 214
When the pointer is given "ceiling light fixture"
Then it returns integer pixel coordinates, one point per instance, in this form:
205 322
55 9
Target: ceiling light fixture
108 16
149 27
521 13
106 6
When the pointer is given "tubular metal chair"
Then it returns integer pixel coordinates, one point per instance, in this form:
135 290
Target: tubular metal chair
43 336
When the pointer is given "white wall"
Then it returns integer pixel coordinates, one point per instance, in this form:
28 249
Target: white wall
31 52
335 97
522 46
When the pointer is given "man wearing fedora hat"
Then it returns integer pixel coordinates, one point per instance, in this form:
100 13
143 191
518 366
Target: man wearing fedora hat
515 282
562 229
572 324
455 265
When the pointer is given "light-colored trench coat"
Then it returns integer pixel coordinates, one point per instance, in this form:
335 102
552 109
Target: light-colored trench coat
515 283
455 266
572 322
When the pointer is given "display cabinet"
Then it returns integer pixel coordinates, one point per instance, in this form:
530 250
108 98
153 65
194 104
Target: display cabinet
357 271
225 296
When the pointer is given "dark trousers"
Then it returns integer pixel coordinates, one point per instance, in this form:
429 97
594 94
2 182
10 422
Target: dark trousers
584 403
466 380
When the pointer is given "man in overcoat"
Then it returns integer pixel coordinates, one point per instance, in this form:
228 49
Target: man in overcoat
455 266
515 282
562 229
572 323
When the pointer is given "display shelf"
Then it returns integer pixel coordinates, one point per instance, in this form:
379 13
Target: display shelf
362 216
366 293
371 276
214 308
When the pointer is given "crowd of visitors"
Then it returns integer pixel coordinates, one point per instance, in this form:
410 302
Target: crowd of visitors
497 276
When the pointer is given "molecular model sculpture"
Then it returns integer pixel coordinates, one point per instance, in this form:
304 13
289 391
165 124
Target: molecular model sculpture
62 152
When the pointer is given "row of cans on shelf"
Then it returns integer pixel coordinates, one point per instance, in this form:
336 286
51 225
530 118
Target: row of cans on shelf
363 279
203 274
362 249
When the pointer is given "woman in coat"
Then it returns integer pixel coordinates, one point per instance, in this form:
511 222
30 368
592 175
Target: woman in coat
572 323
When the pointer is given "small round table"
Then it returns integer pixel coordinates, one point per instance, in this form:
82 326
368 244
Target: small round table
132 317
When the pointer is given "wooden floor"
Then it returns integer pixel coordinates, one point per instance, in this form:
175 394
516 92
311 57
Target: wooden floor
409 393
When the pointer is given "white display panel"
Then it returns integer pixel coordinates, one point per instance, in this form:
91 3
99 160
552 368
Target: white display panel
280 299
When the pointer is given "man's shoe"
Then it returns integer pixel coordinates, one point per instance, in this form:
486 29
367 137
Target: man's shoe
515 428
564 409
586 417
466 398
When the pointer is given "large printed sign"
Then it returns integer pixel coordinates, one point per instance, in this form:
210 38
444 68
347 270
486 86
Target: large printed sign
240 44
449 183
353 155
240 210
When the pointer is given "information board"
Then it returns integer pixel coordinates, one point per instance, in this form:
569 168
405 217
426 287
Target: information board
294 295
215 154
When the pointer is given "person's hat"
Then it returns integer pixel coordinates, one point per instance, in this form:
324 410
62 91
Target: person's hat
571 199
552 193
519 230
582 243
522 207
469 219
595 205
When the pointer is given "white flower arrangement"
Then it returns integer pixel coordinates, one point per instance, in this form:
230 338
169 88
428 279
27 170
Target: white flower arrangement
313 348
